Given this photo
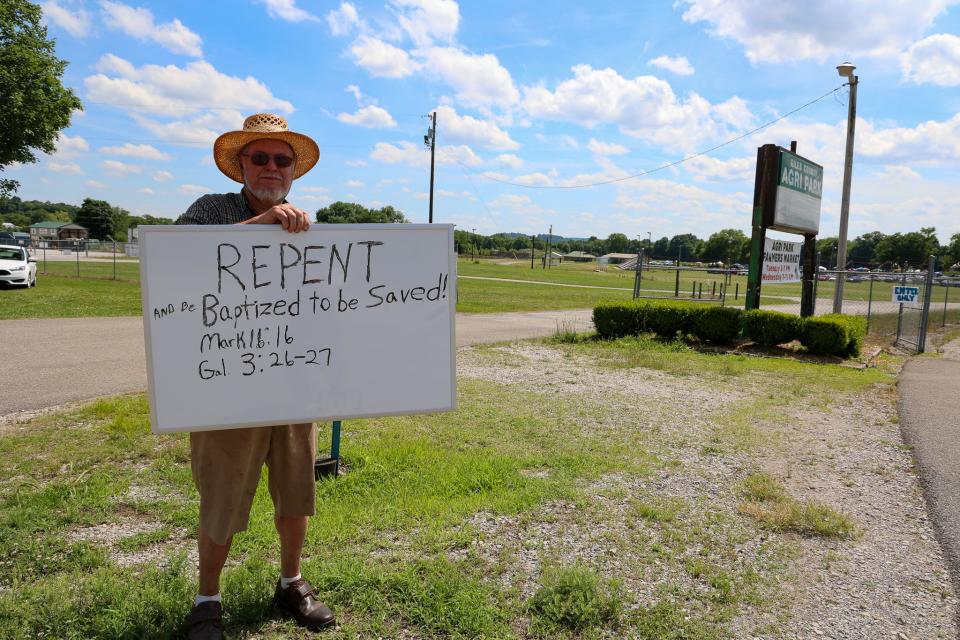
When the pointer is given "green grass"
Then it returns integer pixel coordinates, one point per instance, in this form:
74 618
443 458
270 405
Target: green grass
394 545
61 294
64 297
768 502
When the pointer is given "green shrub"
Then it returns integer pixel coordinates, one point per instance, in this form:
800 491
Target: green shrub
770 328
856 331
668 320
617 319
834 334
716 324
573 599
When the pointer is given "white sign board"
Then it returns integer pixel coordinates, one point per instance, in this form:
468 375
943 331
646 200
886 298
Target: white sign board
781 261
250 325
799 190
906 294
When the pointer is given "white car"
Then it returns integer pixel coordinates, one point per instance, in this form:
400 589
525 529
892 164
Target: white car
17 267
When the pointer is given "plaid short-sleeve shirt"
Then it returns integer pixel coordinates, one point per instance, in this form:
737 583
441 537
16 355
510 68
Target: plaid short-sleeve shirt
218 208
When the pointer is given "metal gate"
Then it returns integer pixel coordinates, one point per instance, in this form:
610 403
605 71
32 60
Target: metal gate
912 319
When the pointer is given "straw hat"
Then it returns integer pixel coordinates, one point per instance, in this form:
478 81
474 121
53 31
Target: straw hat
263 126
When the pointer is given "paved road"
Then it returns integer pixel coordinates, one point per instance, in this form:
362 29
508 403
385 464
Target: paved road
51 362
930 419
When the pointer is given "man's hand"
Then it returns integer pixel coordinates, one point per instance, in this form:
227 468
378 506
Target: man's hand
288 216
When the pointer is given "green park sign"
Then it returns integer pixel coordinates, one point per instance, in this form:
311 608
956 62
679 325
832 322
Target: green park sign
799 189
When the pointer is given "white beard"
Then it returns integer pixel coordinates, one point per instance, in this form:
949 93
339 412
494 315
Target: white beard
269 196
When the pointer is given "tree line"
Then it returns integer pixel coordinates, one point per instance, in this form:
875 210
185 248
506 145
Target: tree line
731 246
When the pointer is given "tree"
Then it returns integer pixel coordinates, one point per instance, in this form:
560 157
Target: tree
726 246
827 251
617 243
687 244
911 248
863 249
35 105
351 213
97 216
661 248
954 252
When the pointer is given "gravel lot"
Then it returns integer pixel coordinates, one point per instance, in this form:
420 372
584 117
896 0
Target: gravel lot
890 582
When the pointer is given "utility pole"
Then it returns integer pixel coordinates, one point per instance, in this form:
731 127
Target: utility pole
549 247
845 70
430 140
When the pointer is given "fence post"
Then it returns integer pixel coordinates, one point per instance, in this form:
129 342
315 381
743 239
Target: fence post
925 314
736 292
946 296
903 283
676 287
44 258
77 251
869 303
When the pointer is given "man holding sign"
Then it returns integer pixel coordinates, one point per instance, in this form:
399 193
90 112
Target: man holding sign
265 157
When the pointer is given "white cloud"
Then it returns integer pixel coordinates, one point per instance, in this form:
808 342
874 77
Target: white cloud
95 184
371 117
356 163
606 148
312 189
162 176
415 156
678 65
76 23
64 167
511 201
70 146
287 10
817 29
115 167
138 23
355 90
479 80
712 169
933 60
194 189
145 151
382 59
509 160
354 184
428 20
199 132
147 191
644 107
344 20
455 128
174 91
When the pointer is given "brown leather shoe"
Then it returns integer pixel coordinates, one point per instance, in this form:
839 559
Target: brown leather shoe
205 622
300 601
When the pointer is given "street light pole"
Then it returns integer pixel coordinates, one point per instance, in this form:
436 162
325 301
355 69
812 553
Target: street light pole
845 70
431 141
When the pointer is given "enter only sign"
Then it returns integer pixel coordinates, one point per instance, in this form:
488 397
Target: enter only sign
906 294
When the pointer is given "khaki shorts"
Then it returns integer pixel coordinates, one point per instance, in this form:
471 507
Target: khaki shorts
226 469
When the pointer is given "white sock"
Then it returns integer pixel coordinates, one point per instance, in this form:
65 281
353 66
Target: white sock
285 582
200 599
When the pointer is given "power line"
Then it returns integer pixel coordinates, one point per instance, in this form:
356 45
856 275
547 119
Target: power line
661 167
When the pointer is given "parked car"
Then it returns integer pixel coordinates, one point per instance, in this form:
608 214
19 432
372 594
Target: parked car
17 267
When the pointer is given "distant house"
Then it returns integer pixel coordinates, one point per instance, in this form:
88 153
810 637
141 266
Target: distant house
580 256
53 231
616 258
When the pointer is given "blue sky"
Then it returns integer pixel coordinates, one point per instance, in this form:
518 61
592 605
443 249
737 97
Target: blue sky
530 96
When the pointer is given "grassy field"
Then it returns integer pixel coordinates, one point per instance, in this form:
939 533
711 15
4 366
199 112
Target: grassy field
486 286
446 526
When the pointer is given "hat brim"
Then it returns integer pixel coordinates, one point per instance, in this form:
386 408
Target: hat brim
226 151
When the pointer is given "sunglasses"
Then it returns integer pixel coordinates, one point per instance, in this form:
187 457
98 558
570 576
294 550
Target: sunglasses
261 159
